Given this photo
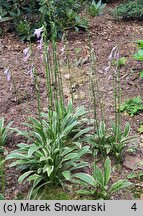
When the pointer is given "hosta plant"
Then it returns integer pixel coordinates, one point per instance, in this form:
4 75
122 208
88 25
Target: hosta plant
114 142
100 142
98 185
132 106
50 158
96 8
120 139
4 132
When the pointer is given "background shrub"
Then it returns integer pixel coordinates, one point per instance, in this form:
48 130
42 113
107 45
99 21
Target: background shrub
129 10
30 14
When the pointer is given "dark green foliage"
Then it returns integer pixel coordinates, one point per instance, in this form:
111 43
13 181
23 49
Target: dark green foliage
96 8
139 54
129 10
29 14
132 106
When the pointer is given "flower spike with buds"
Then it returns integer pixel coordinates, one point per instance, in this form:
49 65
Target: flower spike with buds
7 74
27 53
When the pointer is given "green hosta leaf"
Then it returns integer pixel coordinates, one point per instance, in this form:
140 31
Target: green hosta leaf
83 151
141 74
22 177
81 133
85 178
135 175
122 61
49 169
140 43
16 156
140 129
33 149
139 55
18 162
127 129
68 150
102 129
33 177
107 171
23 145
1 123
43 158
70 156
98 175
119 185
84 192
69 128
79 166
67 175
1 197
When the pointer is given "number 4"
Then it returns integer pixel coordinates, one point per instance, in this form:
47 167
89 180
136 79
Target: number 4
134 207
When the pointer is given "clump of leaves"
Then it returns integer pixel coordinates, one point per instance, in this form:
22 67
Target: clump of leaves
96 8
100 141
122 61
129 10
119 140
132 106
140 129
98 185
139 54
4 133
113 142
54 151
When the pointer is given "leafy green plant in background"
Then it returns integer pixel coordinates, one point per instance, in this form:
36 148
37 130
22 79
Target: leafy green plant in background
96 8
98 185
33 14
129 10
25 29
64 15
139 54
140 129
132 106
55 150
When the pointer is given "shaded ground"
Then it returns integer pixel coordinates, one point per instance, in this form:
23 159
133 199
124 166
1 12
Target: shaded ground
105 34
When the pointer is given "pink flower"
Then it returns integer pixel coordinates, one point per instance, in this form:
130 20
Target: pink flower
27 53
38 32
7 74
40 43
31 72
